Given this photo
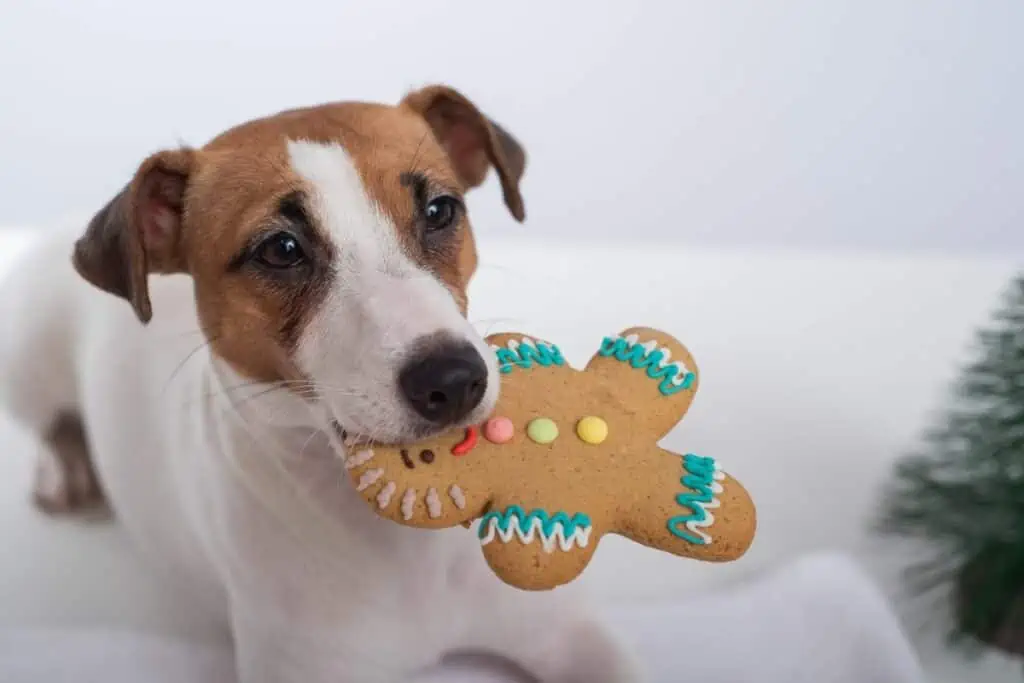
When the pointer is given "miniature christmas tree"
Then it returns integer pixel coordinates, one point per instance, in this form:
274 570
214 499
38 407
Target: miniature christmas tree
963 493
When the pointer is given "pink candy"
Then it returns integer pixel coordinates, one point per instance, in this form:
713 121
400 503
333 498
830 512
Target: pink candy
499 430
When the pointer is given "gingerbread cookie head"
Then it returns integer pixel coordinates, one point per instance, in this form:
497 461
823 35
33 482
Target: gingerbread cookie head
567 457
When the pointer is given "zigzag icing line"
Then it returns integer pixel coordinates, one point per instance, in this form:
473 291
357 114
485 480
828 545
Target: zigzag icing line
649 347
697 526
580 537
526 352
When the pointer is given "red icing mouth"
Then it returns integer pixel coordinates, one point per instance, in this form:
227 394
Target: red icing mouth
467 444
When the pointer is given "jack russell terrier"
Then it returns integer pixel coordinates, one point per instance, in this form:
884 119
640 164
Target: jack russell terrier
313 271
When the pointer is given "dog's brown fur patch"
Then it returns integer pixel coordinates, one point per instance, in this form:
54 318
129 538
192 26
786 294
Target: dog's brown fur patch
233 189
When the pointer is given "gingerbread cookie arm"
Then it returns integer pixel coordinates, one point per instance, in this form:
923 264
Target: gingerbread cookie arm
653 373
688 507
516 351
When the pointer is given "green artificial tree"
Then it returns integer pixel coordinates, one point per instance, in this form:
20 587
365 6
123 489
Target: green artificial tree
963 492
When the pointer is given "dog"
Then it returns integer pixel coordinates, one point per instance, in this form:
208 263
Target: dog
225 322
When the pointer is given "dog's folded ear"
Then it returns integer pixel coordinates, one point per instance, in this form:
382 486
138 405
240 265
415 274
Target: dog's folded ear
138 232
473 142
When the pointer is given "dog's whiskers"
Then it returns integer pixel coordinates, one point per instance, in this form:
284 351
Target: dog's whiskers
205 344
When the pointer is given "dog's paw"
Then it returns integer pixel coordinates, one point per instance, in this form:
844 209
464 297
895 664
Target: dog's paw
65 481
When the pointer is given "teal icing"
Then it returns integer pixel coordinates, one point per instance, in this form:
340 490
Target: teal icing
700 478
527 354
640 358
548 522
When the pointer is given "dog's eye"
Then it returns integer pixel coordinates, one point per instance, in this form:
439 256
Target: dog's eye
280 250
440 213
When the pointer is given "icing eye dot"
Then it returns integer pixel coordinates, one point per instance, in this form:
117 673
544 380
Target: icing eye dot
592 430
427 456
499 430
406 460
542 430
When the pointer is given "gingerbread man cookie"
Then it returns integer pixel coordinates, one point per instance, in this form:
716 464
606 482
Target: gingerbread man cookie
566 457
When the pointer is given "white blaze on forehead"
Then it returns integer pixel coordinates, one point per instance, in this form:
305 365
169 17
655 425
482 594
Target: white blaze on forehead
338 199
381 303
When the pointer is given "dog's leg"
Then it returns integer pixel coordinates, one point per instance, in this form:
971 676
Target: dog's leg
65 481
37 379
553 635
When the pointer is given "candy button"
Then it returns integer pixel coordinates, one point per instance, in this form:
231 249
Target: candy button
499 430
542 430
592 430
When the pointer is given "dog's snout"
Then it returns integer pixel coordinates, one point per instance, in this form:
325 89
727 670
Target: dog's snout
445 384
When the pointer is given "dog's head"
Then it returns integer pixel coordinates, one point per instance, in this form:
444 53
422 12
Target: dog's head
330 251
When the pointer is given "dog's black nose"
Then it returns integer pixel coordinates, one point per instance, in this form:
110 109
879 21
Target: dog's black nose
445 384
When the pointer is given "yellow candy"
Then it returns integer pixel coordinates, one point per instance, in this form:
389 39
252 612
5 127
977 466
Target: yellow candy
542 430
592 430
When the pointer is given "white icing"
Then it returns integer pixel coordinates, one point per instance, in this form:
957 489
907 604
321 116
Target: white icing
649 347
455 493
696 527
408 500
681 373
358 458
718 476
514 344
580 536
384 497
369 478
433 504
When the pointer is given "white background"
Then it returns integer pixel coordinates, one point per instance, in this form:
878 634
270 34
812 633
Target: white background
840 126
860 124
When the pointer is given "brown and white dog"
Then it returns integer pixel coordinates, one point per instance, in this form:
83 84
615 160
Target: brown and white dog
314 269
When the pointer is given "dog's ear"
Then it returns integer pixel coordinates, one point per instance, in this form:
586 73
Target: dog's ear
473 142
138 232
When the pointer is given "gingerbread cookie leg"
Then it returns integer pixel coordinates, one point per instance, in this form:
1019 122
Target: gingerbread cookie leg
690 507
539 546
652 372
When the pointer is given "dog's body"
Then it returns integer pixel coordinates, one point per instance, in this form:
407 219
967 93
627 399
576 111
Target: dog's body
215 428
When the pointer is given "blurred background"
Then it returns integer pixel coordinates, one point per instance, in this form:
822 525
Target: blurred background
850 124
822 199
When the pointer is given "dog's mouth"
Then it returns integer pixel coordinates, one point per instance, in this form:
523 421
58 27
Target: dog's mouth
412 434
361 427
339 430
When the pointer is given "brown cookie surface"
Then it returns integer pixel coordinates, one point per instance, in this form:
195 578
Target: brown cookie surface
567 457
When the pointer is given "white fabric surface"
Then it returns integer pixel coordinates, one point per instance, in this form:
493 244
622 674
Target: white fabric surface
817 371
818 620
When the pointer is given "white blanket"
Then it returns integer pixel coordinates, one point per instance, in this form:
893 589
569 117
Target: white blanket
818 620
